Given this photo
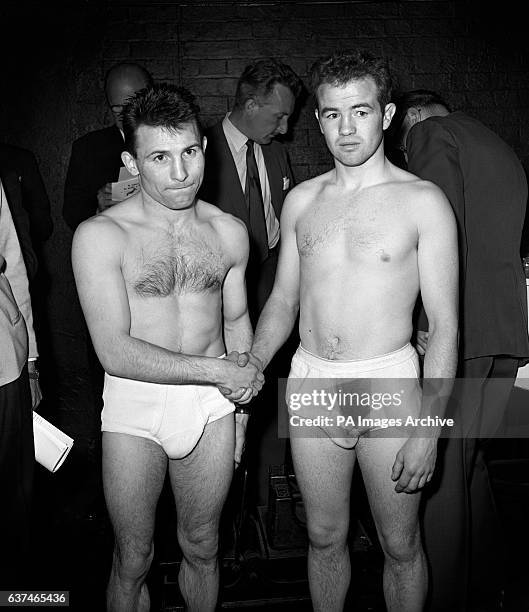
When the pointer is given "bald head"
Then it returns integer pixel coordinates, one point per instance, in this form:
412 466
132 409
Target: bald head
121 82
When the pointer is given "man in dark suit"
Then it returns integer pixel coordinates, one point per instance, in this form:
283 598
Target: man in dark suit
248 174
95 160
486 185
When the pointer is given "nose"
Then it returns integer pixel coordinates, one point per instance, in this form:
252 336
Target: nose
178 170
347 125
283 125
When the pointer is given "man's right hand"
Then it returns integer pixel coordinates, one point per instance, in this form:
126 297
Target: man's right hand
241 379
104 198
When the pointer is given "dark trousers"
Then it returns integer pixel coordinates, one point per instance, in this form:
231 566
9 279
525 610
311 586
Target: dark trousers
263 446
17 457
460 521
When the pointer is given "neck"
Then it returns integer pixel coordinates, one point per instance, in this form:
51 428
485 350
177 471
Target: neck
364 175
175 217
239 120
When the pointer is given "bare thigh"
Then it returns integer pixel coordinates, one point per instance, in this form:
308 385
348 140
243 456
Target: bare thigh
133 475
323 473
395 514
201 481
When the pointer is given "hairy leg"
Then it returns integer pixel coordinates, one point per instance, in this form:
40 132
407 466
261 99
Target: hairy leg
396 517
323 473
200 484
133 475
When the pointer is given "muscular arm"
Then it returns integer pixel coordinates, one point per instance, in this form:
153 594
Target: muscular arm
280 311
438 274
238 333
96 258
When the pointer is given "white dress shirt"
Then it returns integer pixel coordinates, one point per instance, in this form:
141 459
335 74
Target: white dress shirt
237 144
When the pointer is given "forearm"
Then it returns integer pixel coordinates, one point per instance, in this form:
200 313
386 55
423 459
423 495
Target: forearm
274 327
238 334
440 364
128 357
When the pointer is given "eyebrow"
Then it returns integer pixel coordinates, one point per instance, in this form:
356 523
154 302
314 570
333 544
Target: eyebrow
165 151
326 109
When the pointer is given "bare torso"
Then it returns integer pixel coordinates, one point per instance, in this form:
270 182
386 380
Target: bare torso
173 274
358 268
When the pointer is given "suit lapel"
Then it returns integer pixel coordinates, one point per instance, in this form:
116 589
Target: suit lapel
229 179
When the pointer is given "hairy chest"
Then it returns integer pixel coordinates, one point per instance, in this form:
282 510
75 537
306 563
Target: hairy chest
378 232
175 265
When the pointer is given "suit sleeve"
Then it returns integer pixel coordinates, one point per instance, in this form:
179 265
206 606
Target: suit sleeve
35 199
433 156
80 199
15 270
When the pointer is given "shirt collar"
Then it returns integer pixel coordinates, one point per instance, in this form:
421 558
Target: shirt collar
235 136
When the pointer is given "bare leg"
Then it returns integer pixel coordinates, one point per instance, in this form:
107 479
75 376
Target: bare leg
133 475
397 521
200 485
323 472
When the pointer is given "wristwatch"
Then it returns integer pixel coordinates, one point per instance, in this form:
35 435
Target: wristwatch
242 409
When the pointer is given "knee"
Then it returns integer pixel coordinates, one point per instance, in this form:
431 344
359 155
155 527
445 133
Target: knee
199 545
133 559
325 534
400 548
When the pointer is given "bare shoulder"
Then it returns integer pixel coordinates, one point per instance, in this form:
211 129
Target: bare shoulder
98 235
230 230
424 198
223 222
304 194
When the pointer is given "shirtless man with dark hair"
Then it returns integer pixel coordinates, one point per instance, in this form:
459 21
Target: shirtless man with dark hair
357 245
161 282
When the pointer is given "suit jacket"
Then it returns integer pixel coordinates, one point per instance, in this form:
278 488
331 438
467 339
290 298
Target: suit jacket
13 192
487 188
17 338
221 186
32 190
95 160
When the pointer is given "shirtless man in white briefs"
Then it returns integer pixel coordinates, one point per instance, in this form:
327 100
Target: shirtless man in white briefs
357 245
161 282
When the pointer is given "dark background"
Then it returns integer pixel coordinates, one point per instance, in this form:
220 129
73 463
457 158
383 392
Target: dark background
55 55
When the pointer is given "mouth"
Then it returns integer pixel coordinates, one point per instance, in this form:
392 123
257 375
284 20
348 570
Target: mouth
181 188
349 145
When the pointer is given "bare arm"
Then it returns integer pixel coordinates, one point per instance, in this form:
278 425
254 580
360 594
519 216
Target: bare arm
280 311
438 274
96 257
238 333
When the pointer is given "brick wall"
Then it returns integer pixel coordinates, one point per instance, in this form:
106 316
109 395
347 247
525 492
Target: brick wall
54 62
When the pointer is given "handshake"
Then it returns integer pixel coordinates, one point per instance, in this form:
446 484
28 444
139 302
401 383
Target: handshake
242 377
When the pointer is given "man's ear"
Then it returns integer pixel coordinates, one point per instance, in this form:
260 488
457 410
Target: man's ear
251 105
316 112
130 163
389 111
414 115
204 144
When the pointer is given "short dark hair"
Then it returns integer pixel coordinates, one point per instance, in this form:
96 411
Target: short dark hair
418 98
259 79
341 67
162 105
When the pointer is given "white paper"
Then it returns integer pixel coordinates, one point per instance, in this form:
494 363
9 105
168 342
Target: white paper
522 379
51 444
127 185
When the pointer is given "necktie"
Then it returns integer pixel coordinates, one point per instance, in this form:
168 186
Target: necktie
254 202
